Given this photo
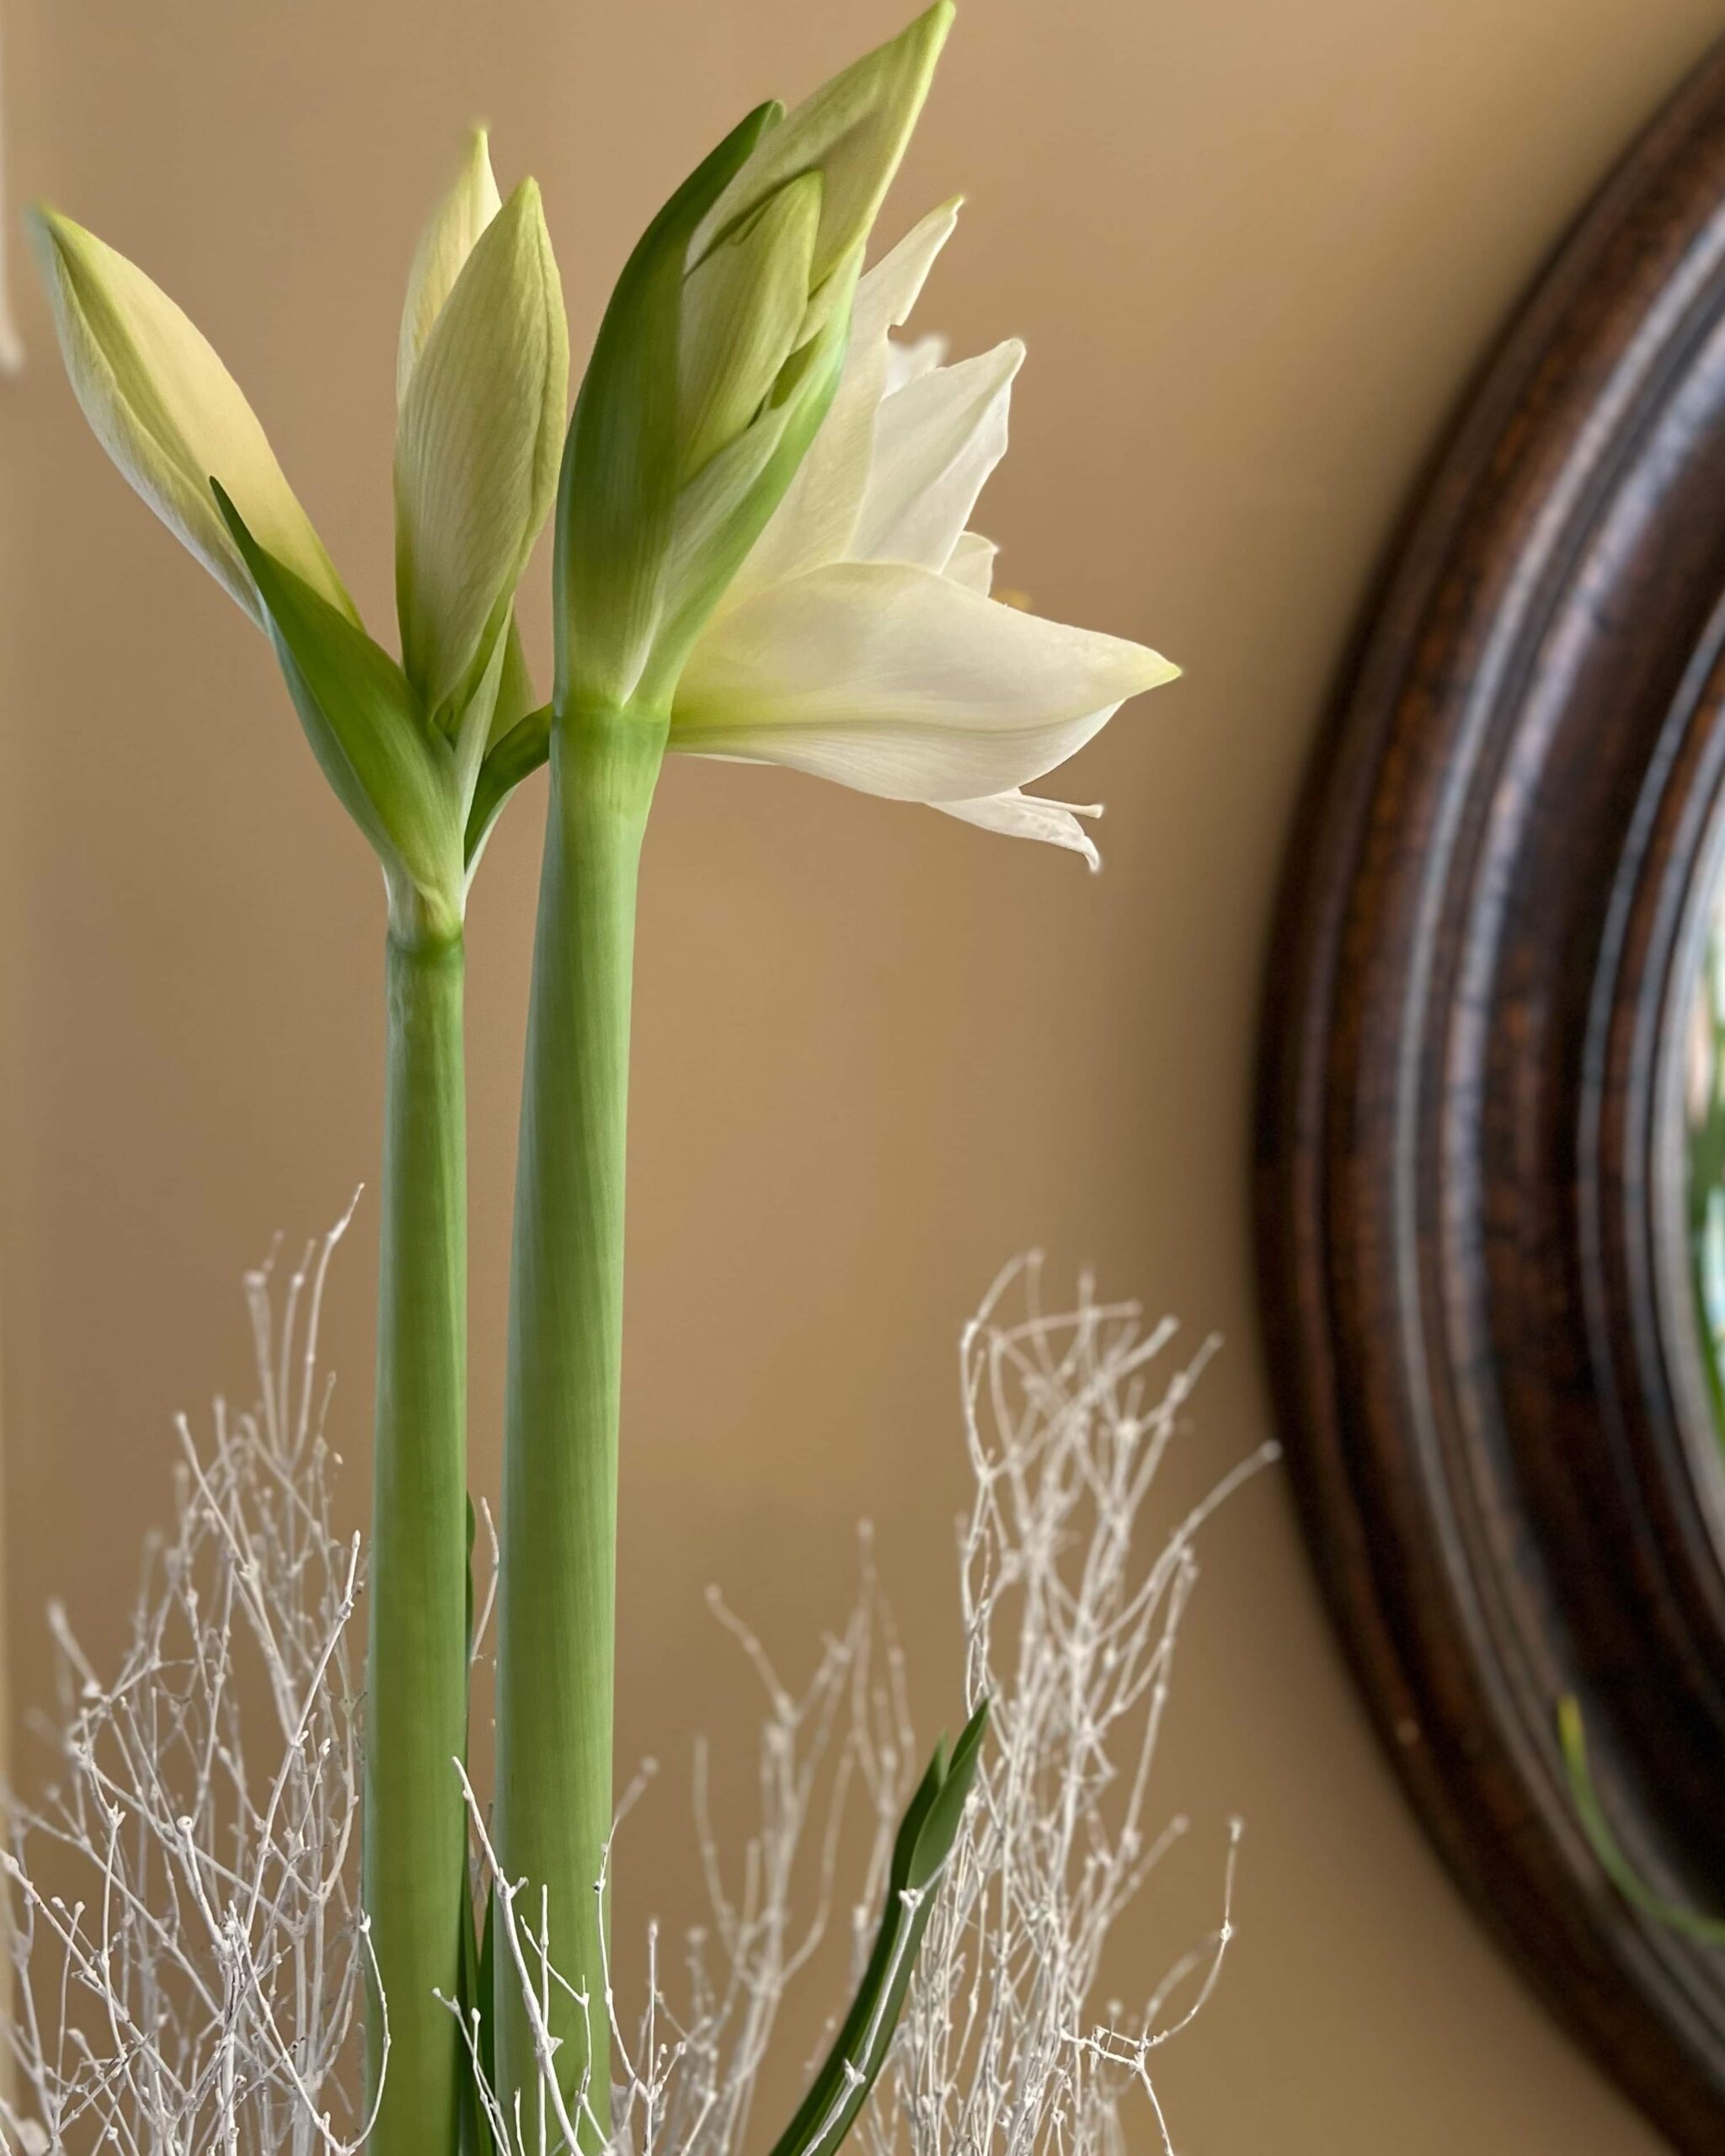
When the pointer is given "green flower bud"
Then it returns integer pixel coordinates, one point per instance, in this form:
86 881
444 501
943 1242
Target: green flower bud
742 313
168 412
718 355
482 378
853 131
476 452
472 202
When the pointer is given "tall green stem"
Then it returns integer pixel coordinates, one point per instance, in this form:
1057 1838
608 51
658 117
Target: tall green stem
416 1838
557 1600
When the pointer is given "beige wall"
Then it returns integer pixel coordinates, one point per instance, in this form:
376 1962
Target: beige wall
1253 247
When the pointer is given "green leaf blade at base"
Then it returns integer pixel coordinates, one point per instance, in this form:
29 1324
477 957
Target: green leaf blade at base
925 1841
365 728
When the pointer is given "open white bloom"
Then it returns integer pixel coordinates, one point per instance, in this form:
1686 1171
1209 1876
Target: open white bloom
859 643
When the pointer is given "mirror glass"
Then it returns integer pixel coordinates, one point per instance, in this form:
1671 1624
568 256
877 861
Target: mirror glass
1689 1179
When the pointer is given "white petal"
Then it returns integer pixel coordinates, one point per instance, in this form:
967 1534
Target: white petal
815 521
170 415
936 441
469 205
971 563
908 363
1024 816
898 681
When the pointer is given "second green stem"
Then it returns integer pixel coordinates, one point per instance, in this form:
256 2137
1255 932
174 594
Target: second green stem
557 1595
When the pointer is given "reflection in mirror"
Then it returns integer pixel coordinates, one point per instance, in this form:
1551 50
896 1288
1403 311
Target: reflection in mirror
1689 1181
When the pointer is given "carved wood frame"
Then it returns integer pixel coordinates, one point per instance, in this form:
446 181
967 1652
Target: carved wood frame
1473 966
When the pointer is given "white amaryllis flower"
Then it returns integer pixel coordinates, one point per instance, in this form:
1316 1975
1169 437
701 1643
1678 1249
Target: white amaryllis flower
859 643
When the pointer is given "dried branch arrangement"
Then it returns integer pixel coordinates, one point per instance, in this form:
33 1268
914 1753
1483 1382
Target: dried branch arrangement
201 1992
199 1986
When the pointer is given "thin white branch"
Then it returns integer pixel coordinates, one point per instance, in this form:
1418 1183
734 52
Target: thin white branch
203 1995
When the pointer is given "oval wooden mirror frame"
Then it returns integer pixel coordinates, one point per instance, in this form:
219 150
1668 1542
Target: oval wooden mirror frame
1473 965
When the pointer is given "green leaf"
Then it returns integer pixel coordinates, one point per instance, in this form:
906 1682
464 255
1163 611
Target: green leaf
488 783
469 722
925 1841
515 693
474 2133
617 500
516 757
473 1989
488 1979
392 776
1605 1846
938 1829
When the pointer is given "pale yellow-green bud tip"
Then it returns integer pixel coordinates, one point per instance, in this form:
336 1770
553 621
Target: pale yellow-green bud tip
168 412
466 207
